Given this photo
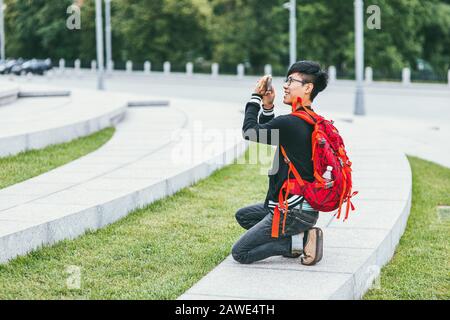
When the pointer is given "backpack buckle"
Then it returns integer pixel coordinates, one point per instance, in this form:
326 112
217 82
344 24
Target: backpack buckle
281 209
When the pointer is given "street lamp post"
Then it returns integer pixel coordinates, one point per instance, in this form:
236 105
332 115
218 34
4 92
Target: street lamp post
99 39
291 6
108 35
359 57
2 31
293 32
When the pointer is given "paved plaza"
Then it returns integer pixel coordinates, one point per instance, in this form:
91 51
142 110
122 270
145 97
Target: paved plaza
139 165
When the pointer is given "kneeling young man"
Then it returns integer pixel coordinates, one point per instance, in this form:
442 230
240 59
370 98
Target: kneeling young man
305 79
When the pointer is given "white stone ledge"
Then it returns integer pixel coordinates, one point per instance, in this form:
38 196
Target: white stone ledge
88 194
77 118
8 93
354 250
66 216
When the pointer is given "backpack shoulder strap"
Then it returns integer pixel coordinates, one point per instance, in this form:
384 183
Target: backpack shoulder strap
305 116
292 168
308 115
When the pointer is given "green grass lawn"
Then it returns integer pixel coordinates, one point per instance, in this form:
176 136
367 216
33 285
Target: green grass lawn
420 268
160 251
28 164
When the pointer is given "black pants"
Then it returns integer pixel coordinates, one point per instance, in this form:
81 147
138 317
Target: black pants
257 243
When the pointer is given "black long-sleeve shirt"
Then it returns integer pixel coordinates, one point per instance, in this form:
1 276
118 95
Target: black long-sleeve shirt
293 133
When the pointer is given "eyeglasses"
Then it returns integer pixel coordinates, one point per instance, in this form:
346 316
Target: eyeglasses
289 80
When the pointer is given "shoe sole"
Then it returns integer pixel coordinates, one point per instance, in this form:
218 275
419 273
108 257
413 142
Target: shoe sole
292 255
318 237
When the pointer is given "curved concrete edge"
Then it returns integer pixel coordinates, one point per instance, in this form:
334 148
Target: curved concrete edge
362 280
27 236
8 94
36 140
354 251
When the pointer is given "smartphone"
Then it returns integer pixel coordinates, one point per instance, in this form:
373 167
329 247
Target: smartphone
269 83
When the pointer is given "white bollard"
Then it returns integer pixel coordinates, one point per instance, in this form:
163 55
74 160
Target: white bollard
240 70
93 65
215 69
406 76
147 67
166 67
62 65
369 75
129 66
77 66
448 78
331 73
189 68
268 69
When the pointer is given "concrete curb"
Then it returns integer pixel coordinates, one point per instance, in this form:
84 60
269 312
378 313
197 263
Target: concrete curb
41 139
8 94
73 119
354 251
44 94
135 168
29 236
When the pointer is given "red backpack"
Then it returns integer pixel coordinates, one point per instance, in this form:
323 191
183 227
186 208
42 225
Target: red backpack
327 150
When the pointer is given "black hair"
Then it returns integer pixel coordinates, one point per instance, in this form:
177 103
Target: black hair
312 73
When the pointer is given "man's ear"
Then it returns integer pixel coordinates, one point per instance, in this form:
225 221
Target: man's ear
310 88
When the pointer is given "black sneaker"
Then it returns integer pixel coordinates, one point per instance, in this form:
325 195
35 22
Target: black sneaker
313 247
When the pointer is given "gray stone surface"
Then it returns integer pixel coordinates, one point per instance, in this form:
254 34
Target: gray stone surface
34 123
138 166
415 117
376 144
271 283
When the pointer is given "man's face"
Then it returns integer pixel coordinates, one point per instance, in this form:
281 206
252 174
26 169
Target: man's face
296 86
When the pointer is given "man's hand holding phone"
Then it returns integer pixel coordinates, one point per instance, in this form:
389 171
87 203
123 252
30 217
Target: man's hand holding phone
266 90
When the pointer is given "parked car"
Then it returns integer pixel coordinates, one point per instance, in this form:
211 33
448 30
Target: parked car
34 66
16 69
8 65
21 67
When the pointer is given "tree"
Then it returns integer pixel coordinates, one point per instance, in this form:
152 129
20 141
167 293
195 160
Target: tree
167 30
251 32
254 32
37 28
